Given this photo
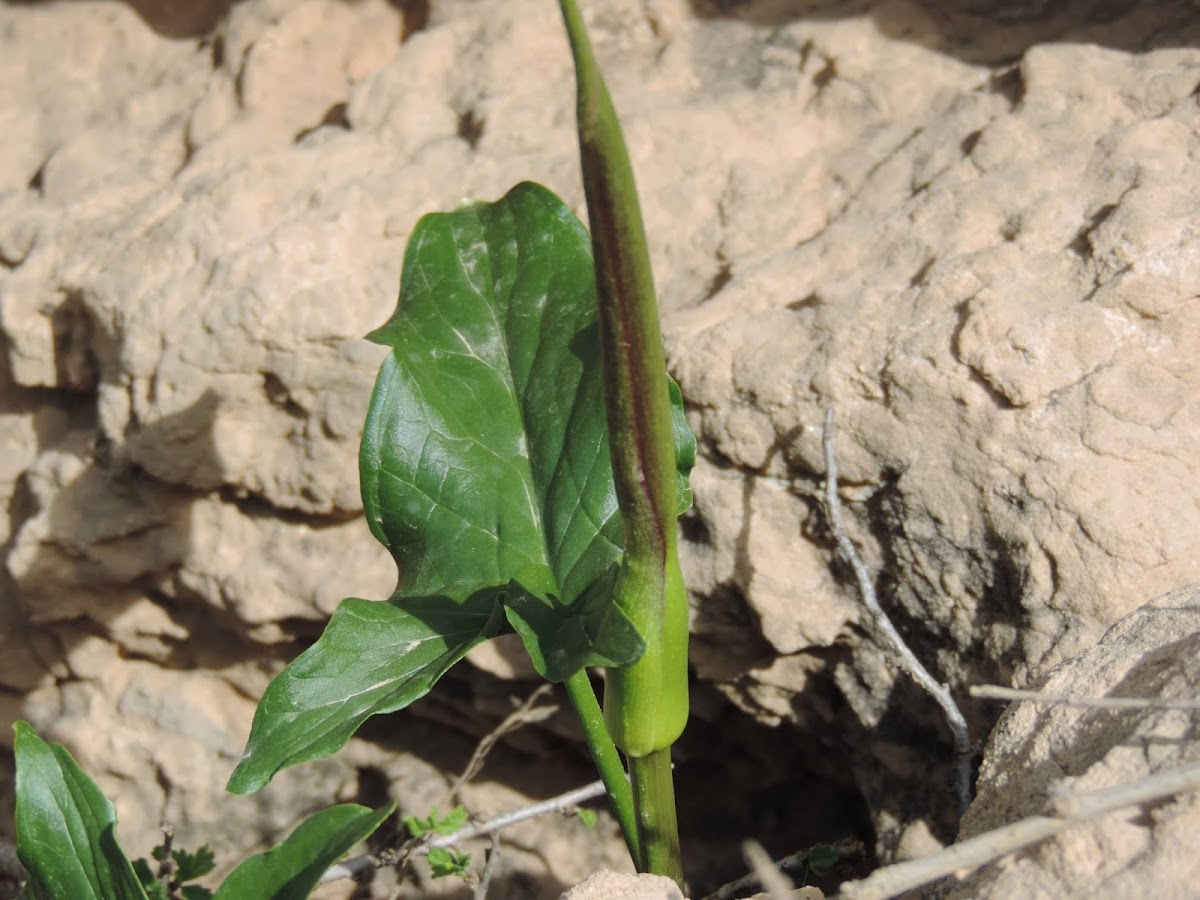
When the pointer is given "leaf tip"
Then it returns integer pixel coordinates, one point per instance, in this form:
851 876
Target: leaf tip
245 780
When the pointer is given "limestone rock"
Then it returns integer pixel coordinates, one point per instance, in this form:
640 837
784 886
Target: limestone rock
1150 653
614 886
972 233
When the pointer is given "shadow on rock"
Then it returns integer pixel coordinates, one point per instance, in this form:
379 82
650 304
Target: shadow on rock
990 33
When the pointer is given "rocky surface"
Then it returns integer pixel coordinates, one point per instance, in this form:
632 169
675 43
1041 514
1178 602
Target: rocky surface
615 886
1151 851
969 227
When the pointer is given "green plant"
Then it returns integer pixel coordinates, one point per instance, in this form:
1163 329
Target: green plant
175 869
435 823
67 840
446 863
524 459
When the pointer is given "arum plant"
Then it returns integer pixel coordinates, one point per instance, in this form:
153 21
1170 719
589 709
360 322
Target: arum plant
67 841
524 459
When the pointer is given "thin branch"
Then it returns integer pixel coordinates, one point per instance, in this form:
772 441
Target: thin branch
995 692
349 868
561 803
776 885
167 867
794 865
907 659
525 714
750 882
1079 807
489 867
978 851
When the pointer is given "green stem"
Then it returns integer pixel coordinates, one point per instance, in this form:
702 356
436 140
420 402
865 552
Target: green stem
658 832
606 757
646 703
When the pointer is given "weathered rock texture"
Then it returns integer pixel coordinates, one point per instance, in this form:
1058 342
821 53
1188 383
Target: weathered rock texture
970 227
615 886
1153 851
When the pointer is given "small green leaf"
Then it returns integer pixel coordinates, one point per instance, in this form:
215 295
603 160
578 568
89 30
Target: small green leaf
444 862
452 821
447 824
822 858
66 829
193 865
416 827
144 873
685 449
373 658
290 870
156 890
587 816
195 892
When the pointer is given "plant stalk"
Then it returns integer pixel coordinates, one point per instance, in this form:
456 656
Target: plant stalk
658 833
607 759
646 703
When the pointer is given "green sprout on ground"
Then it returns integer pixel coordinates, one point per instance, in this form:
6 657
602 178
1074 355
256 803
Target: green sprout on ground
524 459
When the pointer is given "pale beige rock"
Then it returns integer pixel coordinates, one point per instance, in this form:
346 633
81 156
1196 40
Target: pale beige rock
1035 749
973 234
254 571
616 886
504 657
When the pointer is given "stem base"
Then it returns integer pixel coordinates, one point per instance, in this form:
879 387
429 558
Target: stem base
658 831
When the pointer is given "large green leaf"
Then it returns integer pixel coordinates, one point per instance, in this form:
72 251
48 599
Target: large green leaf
66 828
485 461
373 658
290 870
485 454
485 471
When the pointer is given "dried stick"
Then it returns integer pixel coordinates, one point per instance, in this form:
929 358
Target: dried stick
167 867
978 851
908 661
525 714
745 884
349 868
776 885
794 864
489 868
995 692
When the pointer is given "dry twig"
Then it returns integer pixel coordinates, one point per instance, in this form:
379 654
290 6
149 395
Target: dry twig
978 851
489 867
995 692
525 714
907 659
776 885
563 802
797 865
399 857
